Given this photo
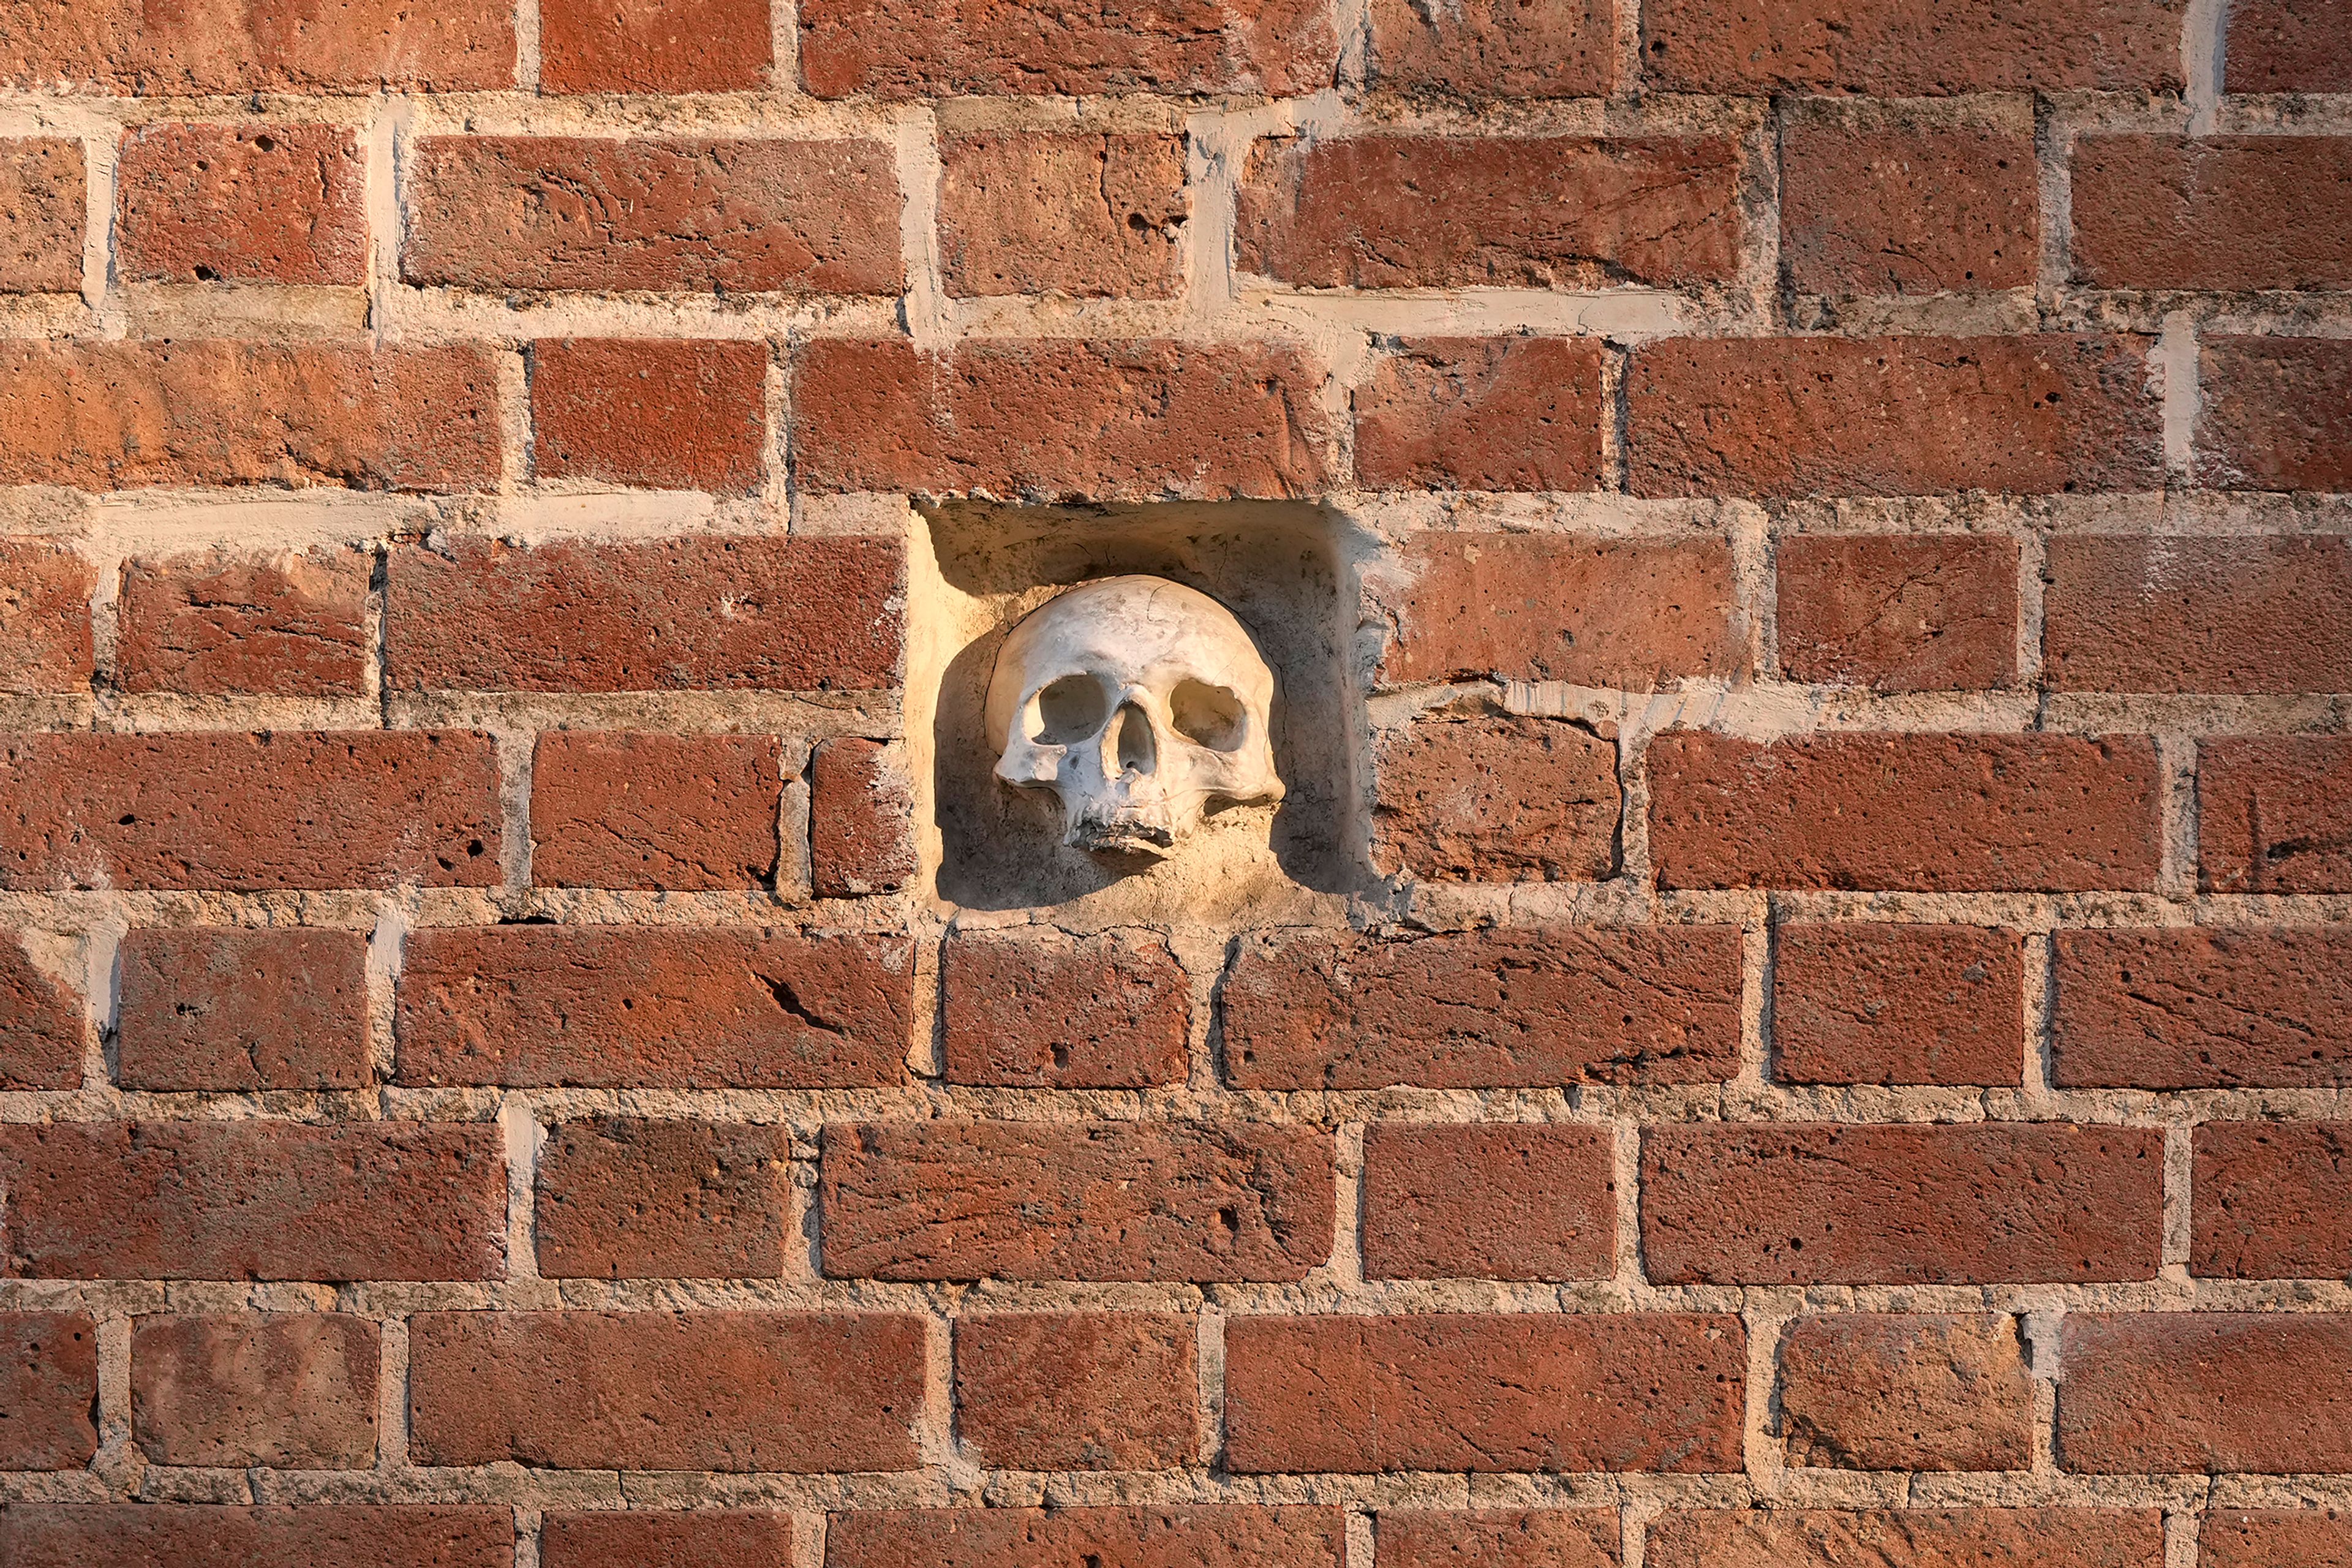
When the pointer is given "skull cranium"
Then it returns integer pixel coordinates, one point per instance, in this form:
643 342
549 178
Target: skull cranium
1138 701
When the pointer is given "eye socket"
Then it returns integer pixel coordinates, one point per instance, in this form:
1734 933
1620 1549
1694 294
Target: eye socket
1069 711
1207 715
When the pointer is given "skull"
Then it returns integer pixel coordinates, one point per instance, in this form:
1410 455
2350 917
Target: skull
1137 700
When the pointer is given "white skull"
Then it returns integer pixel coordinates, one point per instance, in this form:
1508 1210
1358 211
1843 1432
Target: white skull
1137 700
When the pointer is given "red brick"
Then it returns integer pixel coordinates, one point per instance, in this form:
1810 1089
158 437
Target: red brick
1868 1391
690 215
709 612
2213 1392
1078 1391
1826 1204
254 1200
2202 1009
41 1028
1542 607
1552 1005
861 820
654 46
2133 613
43 214
795 1392
673 812
1280 47
667 1008
2288 46
1911 51
625 1198
45 638
1489 1201
1195 1536
1482 414
1498 1538
1097 1200
2276 1538
126 46
2270 412
48 1391
1898 613
1109 1011
1046 419
1921 812
1904 210
633 1537
236 812
245 203
1650 1391
1406 211
1024 212
1557 49
297 1391
1908 1538
1799 416
662 416
235 625
2218 212
2274 816
121 415
180 1535
225 1009
1474 797
2272 1201
1898 1004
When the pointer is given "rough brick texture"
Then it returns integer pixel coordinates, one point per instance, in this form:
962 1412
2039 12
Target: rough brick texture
1898 614
1477 414
2275 815
655 811
44 632
683 417
2276 1538
1897 1004
209 1535
1078 1391
622 1198
1905 51
1178 1537
294 1391
860 839
1101 1012
2269 412
1912 1538
2226 212
1039 212
1480 798
284 626
701 1537
1488 1202
223 1009
1497 1538
654 46
251 203
1873 1392
2272 1201
122 46
42 213
49 1391
1894 210
2135 614
2288 46
2199 1009
41 1028
1495 48
2209 1392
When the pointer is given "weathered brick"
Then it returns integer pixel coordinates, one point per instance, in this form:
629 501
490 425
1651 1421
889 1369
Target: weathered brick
1405 211
638 1537
43 213
123 415
1195 1536
1482 414
2288 46
1477 797
358 809
674 811
1890 210
664 415
1489 1202
626 1198
1276 47
1495 48
1898 1004
295 1391
2215 212
214 1008
2275 1538
1109 1011
2274 816
1045 419
1912 51
1024 212
535 1007
1908 1538
693 215
1497 1538
713 612
239 625
2131 612
1898 613
48 1391
1078 1391
45 636
2272 1201
2269 1394
1830 1203
861 820
246 203
1540 607
1868 1391
41 1028
1799 416
126 46
1924 812
205 1535
1650 1391
1486 1009
654 46
1099 1200
2202 1009
2271 414
254 1200
793 1392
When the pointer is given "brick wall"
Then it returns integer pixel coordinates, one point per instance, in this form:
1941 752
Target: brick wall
1838 1051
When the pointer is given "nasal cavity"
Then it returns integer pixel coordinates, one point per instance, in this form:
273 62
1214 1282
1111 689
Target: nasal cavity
1136 753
